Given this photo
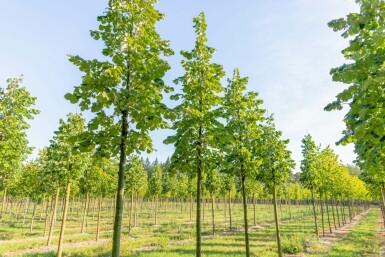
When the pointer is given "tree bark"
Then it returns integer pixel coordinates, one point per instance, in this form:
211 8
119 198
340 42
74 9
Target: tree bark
99 217
46 215
3 203
64 219
86 204
314 213
213 211
245 221
120 191
53 217
33 216
277 221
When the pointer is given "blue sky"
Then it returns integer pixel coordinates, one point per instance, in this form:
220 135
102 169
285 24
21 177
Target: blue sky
284 47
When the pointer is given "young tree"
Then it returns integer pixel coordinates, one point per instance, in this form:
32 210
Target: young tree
135 185
124 91
243 117
309 176
69 164
276 168
196 120
16 109
156 188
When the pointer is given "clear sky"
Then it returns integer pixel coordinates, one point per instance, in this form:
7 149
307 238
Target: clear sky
283 46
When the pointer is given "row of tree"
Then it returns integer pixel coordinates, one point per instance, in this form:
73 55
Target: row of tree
221 131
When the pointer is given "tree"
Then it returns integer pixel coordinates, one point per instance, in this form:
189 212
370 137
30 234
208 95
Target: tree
276 167
69 164
156 188
243 116
135 185
309 176
364 74
16 109
196 120
124 91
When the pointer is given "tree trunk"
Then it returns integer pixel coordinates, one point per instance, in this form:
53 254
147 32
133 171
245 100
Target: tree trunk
327 211
53 217
230 216
33 216
334 217
136 211
46 215
131 208
26 210
277 221
322 216
213 211
338 215
99 217
3 203
199 189
156 210
255 222
120 191
63 223
191 206
86 204
244 201
314 212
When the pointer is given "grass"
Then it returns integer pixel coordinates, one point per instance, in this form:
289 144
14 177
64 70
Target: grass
173 237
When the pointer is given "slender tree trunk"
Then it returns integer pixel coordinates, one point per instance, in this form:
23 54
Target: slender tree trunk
213 211
199 190
334 217
33 215
225 209
136 211
322 216
86 203
314 212
26 210
255 222
191 206
64 219
277 221
327 211
244 201
3 203
53 217
338 215
121 182
156 210
99 217
46 215
131 209
230 215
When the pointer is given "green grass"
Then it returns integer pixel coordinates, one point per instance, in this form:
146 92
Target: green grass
174 236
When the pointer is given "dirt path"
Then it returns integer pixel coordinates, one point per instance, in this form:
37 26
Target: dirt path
329 239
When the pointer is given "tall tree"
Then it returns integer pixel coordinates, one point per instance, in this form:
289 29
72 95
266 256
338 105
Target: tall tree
243 117
70 165
276 168
196 118
16 109
309 176
124 91
364 73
